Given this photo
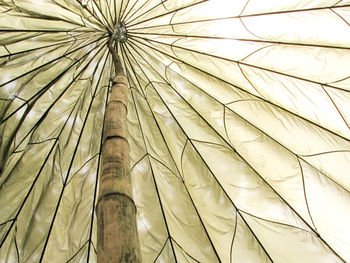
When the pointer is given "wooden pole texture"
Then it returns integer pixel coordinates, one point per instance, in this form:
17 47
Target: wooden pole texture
117 237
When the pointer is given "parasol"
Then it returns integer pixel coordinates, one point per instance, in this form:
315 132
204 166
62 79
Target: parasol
238 127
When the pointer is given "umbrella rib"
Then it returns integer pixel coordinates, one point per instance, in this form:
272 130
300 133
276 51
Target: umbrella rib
71 162
98 168
126 14
185 251
292 11
138 161
342 18
139 8
336 107
269 102
147 11
278 223
154 180
285 147
56 59
117 16
205 163
16 245
248 80
122 10
233 238
127 61
304 192
327 152
35 99
93 15
160 252
234 17
243 63
237 210
161 162
189 195
37 124
164 140
110 13
244 7
289 150
192 201
34 182
82 166
135 34
38 174
166 13
42 47
76 253
249 164
41 92
134 73
338 2
48 31
50 18
266 13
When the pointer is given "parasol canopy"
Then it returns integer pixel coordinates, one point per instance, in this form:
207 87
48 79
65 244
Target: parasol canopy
238 126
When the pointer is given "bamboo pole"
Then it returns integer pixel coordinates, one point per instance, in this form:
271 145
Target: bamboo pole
117 237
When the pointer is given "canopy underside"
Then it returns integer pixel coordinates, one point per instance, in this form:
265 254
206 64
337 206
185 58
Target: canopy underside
238 116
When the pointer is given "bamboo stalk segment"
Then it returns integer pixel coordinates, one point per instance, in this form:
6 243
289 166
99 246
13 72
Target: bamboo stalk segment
116 211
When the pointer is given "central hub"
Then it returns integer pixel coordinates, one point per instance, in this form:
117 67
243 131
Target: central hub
122 33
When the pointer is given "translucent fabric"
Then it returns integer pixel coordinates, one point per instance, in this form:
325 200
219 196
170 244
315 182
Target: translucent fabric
238 117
